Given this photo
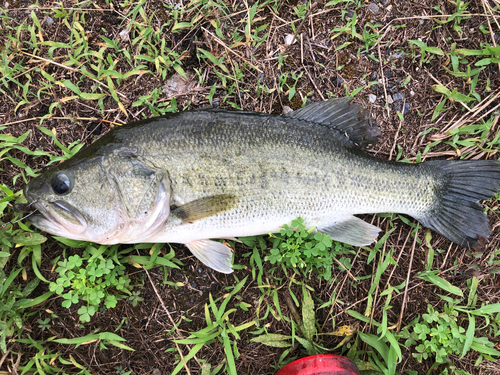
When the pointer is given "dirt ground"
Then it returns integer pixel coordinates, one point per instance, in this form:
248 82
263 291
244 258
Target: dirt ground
317 57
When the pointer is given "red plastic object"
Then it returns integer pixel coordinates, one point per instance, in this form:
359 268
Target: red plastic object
320 364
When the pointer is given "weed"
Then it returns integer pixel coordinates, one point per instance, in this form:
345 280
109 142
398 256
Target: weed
301 9
154 103
43 324
305 325
90 279
425 49
13 302
306 251
135 298
42 360
457 17
219 327
435 335
289 88
368 37
98 275
120 371
103 338
439 334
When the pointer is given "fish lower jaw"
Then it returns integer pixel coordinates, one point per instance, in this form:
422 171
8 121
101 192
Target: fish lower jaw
130 232
44 224
57 219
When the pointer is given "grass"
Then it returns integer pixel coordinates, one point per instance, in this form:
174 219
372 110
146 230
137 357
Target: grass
410 304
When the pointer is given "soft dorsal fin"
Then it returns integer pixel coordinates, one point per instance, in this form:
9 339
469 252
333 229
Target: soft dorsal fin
336 113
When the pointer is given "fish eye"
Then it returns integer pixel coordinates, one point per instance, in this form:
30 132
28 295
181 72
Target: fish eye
61 184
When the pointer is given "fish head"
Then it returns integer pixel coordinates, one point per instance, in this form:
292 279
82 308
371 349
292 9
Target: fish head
104 199
73 201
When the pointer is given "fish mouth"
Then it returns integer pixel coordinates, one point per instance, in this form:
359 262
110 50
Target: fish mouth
58 218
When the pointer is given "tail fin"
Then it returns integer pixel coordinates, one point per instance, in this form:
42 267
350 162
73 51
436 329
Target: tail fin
458 216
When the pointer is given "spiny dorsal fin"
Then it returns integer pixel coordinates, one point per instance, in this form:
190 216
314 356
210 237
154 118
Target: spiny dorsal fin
336 113
204 207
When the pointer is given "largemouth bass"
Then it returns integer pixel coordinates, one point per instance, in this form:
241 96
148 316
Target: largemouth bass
209 174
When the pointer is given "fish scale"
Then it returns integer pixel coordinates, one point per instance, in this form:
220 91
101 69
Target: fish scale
207 174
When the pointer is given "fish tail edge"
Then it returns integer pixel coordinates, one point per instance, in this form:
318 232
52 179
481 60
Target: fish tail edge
458 215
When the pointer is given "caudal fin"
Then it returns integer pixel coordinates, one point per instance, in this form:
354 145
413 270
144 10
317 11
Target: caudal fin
458 216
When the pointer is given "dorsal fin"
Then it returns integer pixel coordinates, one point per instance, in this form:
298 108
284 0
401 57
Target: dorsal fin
336 113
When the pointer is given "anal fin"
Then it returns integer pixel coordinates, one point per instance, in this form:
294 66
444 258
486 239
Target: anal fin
352 231
212 254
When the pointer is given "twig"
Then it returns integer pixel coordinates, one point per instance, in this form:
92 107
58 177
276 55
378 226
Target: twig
351 306
407 281
397 260
73 70
302 49
383 80
286 23
446 257
341 286
299 29
230 50
489 24
387 26
4 356
439 16
468 117
395 138
56 8
62 118
348 272
435 155
310 49
314 84
439 83
172 321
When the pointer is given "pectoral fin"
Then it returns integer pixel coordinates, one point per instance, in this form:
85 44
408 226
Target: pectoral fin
352 231
212 254
204 207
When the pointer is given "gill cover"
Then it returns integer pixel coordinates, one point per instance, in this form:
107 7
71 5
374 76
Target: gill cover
143 194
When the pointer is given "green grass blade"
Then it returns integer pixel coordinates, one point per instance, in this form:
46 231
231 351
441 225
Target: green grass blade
375 343
195 349
469 335
440 282
229 355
